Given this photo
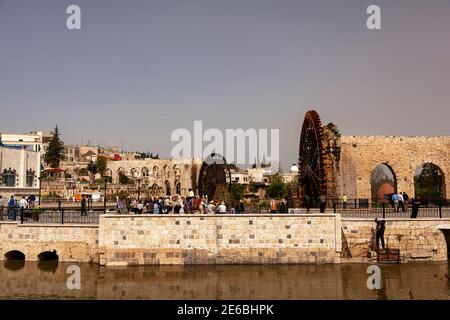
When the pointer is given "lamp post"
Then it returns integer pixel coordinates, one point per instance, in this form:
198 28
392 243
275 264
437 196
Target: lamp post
40 186
106 178
138 180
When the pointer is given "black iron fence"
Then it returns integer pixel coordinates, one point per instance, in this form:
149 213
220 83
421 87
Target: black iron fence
70 212
53 215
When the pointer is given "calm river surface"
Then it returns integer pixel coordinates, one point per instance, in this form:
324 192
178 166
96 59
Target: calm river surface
47 280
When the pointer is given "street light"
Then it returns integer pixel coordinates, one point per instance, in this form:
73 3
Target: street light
138 180
106 178
40 185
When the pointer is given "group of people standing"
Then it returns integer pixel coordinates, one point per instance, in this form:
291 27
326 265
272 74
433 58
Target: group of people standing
176 204
12 206
282 207
401 201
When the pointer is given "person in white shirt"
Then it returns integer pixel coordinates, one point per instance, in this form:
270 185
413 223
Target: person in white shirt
140 207
222 208
211 207
23 203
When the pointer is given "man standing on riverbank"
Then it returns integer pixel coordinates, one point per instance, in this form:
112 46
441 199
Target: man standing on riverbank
379 232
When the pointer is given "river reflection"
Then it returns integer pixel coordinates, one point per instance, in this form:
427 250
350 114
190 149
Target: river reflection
47 279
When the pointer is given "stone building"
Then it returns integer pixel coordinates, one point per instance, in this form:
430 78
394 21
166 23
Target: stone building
332 164
360 155
166 176
19 169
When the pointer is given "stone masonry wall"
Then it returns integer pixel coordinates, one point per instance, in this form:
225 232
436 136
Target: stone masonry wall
361 154
418 239
219 239
72 243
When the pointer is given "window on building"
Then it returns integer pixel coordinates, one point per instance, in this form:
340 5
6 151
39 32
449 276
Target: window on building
9 177
30 178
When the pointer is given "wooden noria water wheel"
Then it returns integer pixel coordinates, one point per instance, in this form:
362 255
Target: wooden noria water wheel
215 178
312 175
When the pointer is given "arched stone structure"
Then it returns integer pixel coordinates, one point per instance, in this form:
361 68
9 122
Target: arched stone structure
439 191
14 255
157 171
381 175
361 154
145 172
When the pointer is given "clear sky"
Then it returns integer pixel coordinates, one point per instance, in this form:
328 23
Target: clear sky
137 70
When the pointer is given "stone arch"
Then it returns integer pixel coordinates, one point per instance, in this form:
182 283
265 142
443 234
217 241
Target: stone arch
178 187
166 172
48 255
176 170
383 182
120 173
168 189
154 189
14 255
145 172
9 177
429 181
134 173
156 172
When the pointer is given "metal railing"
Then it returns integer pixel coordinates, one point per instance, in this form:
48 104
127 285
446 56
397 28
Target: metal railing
66 212
51 215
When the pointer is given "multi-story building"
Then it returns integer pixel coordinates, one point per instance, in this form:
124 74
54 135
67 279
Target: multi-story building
71 153
33 141
20 169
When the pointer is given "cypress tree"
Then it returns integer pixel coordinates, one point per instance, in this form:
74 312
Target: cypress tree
55 150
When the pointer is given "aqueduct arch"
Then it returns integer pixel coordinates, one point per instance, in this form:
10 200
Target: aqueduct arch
347 162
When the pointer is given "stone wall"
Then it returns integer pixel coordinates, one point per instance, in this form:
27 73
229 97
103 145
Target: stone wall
164 173
418 239
219 239
361 154
121 240
72 243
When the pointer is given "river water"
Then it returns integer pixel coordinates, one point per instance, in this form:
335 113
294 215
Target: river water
32 280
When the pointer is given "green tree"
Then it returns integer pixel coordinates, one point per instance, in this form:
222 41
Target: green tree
237 191
429 183
55 150
277 188
102 165
123 179
92 168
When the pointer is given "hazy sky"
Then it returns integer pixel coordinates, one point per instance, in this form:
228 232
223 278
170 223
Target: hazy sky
137 70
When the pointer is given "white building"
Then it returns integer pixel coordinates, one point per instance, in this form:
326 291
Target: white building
19 169
33 141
